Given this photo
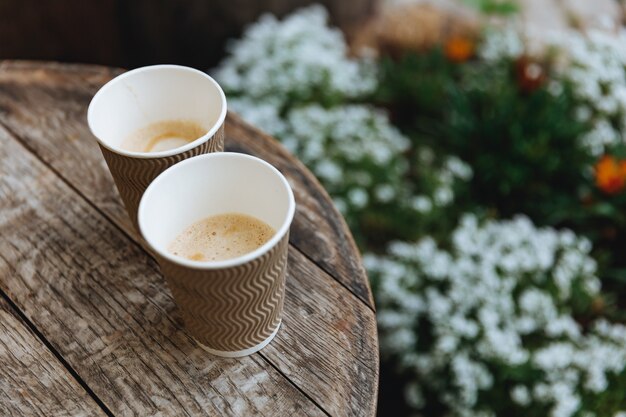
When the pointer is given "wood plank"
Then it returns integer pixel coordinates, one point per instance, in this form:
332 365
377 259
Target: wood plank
328 344
46 108
101 303
32 381
45 105
328 347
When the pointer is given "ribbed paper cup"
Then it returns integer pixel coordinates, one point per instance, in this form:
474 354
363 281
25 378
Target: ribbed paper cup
149 95
232 307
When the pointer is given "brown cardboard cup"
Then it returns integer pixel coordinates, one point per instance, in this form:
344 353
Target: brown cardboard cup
232 307
148 95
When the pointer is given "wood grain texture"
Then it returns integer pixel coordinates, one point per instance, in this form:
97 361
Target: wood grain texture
46 105
327 346
32 381
101 303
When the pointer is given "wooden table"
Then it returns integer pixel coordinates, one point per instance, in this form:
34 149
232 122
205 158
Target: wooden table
87 324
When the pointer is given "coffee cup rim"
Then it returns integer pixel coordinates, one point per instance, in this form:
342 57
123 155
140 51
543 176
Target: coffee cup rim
169 152
228 263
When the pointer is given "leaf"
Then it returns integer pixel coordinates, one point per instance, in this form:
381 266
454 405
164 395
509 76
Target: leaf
500 7
604 209
617 274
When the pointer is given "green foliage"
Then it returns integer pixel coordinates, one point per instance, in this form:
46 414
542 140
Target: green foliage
494 7
523 147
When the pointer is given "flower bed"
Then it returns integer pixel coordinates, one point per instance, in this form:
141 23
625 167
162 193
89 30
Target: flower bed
484 183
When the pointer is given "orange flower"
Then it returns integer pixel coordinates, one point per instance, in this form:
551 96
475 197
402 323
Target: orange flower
459 48
610 174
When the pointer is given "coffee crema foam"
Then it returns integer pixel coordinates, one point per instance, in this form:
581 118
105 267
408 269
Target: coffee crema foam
221 237
163 136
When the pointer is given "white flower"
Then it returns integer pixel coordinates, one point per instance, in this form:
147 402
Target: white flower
422 204
554 357
264 115
501 44
404 340
499 285
329 171
459 168
601 135
300 55
348 134
469 377
583 113
555 88
443 196
563 326
521 395
385 193
358 197
567 402
596 66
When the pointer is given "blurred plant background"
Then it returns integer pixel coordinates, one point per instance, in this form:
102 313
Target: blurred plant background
480 163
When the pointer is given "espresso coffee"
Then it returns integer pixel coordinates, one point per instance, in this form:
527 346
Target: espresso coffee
221 237
162 136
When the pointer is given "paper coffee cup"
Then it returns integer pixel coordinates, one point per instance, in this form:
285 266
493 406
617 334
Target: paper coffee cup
148 95
231 307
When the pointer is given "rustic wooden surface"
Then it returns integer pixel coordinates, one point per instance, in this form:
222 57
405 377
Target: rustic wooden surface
32 380
88 325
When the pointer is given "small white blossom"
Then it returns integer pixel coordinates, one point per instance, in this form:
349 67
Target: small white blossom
459 168
443 196
583 113
354 137
482 300
261 114
358 197
521 395
597 69
300 56
497 45
385 193
422 204
555 88
329 171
